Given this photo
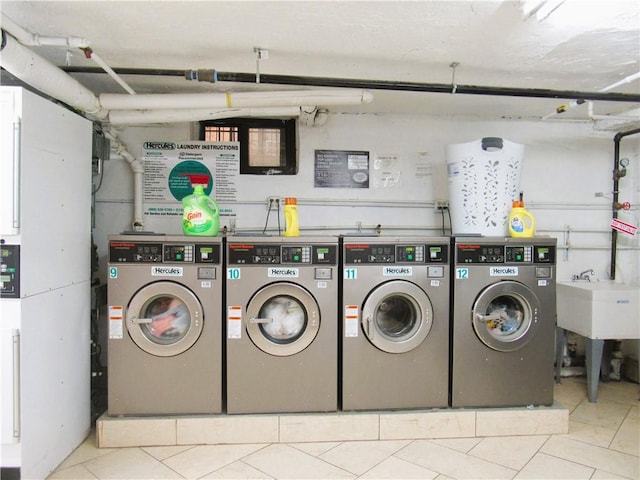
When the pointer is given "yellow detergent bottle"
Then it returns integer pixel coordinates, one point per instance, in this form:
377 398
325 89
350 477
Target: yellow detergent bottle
521 222
201 215
292 228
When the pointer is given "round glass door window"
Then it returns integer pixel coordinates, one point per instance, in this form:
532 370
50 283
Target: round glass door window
164 319
282 319
169 320
397 316
505 316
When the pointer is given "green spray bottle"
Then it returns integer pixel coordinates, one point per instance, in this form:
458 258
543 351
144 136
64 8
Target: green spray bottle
201 215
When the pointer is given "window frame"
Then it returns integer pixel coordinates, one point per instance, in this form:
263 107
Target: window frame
288 135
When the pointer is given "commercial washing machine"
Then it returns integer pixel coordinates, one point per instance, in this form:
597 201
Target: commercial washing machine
395 335
165 325
504 309
282 353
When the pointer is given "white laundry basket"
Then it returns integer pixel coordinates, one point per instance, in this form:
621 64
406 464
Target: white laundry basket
484 179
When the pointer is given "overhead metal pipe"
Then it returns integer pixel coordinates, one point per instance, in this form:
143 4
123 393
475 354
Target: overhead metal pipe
208 75
616 182
214 76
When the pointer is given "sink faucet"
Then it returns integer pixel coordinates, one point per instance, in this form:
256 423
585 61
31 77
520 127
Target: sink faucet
586 275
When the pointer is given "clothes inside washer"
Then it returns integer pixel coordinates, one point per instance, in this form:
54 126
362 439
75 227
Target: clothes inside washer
169 320
287 319
510 316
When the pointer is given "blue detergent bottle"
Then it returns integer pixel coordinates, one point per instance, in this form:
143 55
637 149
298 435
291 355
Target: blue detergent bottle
201 215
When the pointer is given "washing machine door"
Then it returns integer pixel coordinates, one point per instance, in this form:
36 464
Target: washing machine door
282 319
505 316
164 319
397 316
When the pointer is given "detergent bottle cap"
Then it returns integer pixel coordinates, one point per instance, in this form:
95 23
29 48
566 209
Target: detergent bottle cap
290 201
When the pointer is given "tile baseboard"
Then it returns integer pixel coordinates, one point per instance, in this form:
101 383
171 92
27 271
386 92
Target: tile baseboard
116 432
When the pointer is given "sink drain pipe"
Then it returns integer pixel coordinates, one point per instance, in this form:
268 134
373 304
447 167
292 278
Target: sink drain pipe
616 182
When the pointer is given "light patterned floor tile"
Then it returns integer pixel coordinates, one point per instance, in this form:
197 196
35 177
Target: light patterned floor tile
460 444
162 453
358 457
626 393
315 448
285 462
627 440
452 463
85 452
238 471
394 468
593 456
592 434
204 459
511 452
129 463
602 414
550 468
76 472
570 393
600 475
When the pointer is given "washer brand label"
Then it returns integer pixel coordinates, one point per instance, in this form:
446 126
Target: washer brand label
166 271
503 271
397 271
283 272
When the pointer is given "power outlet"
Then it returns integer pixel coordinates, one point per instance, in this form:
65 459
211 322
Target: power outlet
440 205
274 202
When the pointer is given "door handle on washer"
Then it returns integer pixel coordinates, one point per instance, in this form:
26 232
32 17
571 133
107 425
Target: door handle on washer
260 320
138 321
368 322
486 318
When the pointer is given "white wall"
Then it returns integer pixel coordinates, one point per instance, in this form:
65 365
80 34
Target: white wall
565 165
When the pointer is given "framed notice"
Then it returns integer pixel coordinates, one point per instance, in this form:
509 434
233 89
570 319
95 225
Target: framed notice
341 169
169 168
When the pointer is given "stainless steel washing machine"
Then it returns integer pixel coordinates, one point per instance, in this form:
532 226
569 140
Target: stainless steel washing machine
282 341
504 309
165 325
395 336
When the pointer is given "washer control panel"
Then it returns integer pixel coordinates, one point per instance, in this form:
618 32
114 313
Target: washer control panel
155 252
9 271
497 254
361 253
256 254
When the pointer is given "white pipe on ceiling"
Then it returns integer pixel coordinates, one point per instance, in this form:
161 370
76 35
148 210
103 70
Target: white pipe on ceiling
145 117
46 77
281 98
27 38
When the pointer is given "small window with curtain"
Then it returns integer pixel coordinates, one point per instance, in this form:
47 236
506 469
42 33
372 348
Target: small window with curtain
267 146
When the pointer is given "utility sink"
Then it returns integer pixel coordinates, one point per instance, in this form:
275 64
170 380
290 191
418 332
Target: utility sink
600 309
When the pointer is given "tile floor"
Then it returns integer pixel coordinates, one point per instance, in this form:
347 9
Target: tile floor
603 443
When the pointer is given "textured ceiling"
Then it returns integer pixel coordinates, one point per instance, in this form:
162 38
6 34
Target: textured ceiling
582 46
